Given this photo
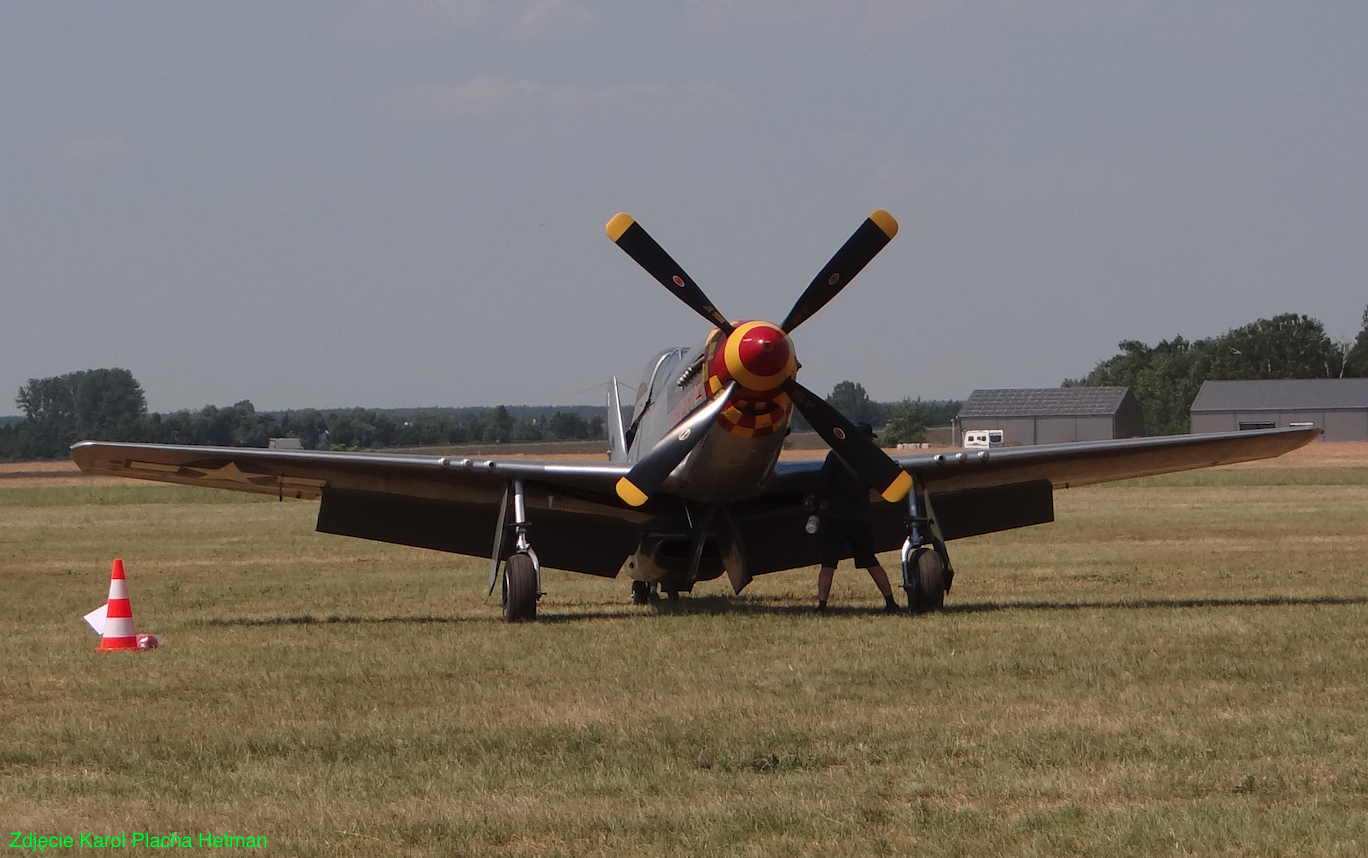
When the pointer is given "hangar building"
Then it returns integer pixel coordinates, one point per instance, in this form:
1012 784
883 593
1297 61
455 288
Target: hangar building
1052 415
1337 405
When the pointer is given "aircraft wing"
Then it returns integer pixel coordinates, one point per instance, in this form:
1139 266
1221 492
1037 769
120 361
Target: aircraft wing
972 492
448 503
1087 463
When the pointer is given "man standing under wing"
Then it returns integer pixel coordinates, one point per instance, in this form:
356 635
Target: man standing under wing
847 522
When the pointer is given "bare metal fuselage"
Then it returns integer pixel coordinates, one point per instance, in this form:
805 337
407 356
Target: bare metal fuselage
724 468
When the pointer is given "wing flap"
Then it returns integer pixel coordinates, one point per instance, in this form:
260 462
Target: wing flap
974 512
595 544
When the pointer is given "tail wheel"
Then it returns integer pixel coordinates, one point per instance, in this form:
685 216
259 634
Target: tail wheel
929 578
520 589
641 593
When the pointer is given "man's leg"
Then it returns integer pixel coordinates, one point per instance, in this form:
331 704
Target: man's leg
862 545
880 579
824 577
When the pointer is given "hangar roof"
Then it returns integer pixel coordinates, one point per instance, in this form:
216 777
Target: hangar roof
1284 394
1044 402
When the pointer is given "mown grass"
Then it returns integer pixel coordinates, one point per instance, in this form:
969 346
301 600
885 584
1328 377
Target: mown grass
1172 668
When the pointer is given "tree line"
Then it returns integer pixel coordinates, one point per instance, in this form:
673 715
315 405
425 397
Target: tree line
109 405
898 422
1165 378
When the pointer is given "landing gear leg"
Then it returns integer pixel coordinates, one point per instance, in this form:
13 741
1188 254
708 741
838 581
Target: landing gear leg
522 572
926 576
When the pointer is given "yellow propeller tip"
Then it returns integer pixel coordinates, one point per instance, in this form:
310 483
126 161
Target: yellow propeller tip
882 219
630 493
619 224
898 489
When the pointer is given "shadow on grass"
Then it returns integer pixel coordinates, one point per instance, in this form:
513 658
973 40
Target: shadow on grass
771 606
310 620
686 607
720 605
1134 604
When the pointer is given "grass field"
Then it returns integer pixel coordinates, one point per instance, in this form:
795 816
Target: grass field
1178 666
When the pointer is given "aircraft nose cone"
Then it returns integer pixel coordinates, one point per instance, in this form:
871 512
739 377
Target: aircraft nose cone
760 356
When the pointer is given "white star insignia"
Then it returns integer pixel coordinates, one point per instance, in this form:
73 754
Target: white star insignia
230 473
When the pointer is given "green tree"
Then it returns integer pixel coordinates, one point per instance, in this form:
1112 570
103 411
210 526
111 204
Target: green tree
567 425
251 429
850 398
95 403
1356 361
308 425
360 428
1165 378
906 424
1286 346
494 426
527 428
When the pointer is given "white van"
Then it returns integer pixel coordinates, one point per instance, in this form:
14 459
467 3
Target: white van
982 439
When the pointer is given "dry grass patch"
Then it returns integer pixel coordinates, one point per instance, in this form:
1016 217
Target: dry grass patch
1169 669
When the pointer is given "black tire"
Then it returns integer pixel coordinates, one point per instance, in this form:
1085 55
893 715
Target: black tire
641 593
520 589
928 574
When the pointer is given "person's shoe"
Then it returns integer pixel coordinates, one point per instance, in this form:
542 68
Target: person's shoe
891 605
821 607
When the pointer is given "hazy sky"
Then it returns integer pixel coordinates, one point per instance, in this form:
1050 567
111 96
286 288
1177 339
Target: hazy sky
402 203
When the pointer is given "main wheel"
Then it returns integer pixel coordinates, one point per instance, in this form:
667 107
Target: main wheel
928 574
520 589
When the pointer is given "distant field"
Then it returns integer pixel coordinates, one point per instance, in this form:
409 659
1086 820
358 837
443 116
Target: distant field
1178 666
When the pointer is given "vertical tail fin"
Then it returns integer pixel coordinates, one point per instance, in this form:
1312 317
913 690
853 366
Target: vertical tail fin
617 438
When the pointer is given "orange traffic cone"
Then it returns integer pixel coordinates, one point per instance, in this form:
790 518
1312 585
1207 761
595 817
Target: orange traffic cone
118 625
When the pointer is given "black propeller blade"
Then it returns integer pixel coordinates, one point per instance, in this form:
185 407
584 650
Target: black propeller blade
628 234
877 231
648 473
858 451
862 454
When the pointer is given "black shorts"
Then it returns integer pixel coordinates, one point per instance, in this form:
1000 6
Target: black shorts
838 533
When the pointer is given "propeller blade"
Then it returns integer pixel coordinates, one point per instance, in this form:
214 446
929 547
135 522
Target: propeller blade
862 454
628 234
648 473
877 231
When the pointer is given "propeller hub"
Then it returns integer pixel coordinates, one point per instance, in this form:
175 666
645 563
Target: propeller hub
759 356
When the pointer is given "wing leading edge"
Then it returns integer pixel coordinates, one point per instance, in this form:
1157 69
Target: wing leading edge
1076 464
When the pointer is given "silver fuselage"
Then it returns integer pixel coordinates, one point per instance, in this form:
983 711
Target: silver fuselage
724 467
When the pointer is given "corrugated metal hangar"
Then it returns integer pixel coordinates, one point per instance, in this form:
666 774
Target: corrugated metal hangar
1052 415
1337 405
